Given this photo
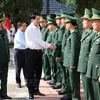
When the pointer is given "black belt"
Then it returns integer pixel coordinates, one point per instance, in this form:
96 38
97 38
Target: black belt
35 49
38 50
20 49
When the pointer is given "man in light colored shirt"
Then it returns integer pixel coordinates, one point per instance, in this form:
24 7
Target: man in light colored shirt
34 44
19 52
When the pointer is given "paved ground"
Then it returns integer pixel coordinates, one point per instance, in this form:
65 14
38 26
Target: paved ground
22 93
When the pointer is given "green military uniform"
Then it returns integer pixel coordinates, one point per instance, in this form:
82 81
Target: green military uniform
58 54
4 59
71 55
63 44
86 43
46 64
93 69
58 40
50 53
64 78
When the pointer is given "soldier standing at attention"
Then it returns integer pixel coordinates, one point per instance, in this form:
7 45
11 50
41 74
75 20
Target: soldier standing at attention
71 55
93 69
86 43
46 64
57 54
4 57
64 33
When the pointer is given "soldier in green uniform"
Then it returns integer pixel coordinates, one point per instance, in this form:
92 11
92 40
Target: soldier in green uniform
58 53
93 69
71 59
86 43
58 19
52 26
4 57
46 64
64 33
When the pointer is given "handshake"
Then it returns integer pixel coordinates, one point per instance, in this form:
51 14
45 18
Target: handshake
53 47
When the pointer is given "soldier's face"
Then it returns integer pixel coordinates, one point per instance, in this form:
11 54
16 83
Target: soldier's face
96 25
68 26
51 27
63 20
58 22
3 24
43 24
87 24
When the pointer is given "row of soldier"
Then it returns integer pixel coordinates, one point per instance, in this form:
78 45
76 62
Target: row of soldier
62 63
74 55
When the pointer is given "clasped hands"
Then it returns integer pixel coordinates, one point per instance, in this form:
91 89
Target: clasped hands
53 47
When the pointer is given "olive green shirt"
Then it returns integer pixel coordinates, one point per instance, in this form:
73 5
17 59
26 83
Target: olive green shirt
4 47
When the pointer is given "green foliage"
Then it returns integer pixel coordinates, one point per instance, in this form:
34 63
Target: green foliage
71 4
82 4
20 9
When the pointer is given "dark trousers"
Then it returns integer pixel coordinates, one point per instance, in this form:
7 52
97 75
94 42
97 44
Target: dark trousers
33 69
3 78
88 88
74 77
19 57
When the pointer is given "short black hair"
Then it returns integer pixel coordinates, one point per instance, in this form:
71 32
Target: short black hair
55 24
74 23
33 15
19 24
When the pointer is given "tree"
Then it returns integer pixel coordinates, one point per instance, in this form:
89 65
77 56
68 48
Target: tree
20 9
80 5
71 4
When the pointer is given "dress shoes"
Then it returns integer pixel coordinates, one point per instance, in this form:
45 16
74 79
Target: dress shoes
31 96
56 86
65 97
5 97
19 85
61 92
38 93
51 83
46 79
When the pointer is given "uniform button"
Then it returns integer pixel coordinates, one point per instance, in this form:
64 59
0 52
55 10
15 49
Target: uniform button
89 55
96 66
91 48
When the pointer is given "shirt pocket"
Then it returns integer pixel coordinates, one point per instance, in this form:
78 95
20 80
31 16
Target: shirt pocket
86 44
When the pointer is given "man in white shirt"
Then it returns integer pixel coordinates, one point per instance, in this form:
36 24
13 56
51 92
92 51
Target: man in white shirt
34 44
19 52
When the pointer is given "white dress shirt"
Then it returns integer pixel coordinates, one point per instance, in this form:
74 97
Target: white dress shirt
8 33
19 40
33 38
